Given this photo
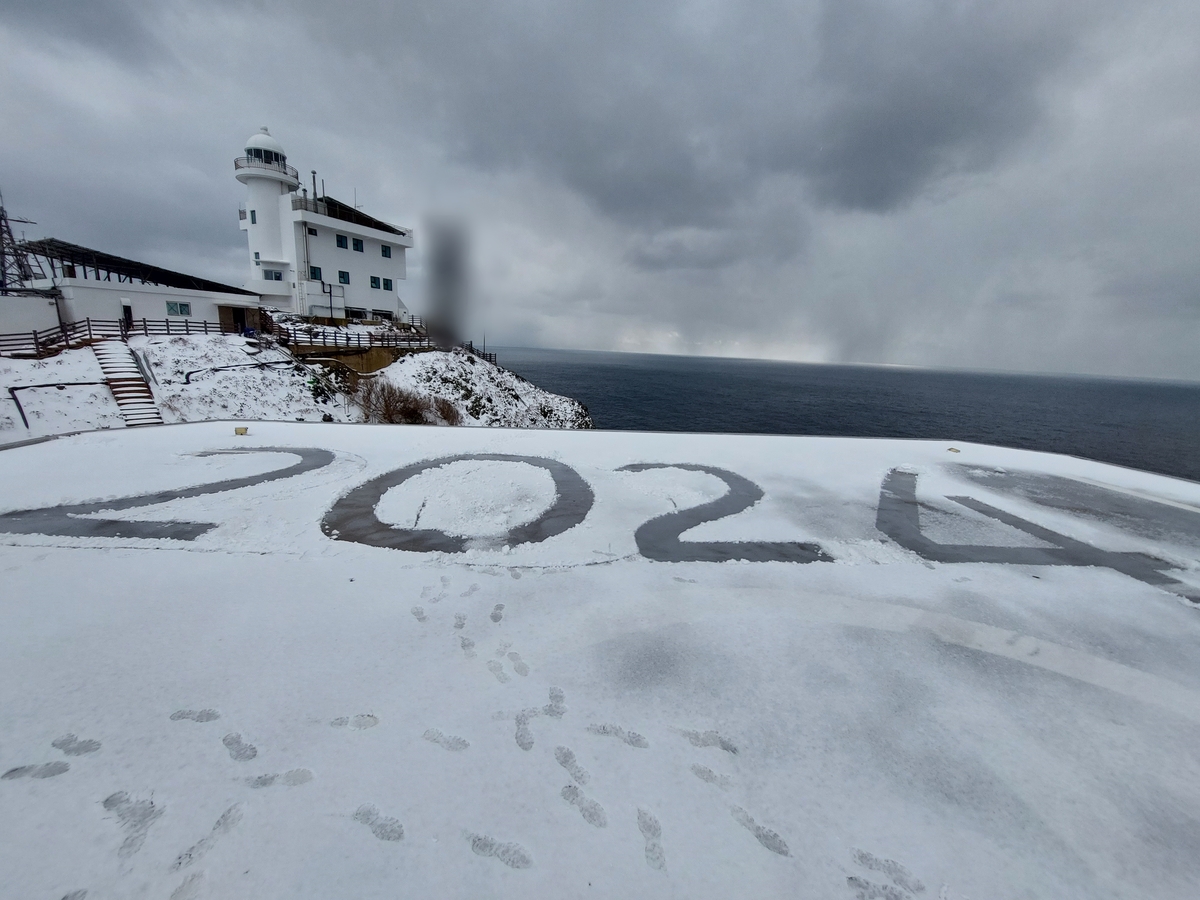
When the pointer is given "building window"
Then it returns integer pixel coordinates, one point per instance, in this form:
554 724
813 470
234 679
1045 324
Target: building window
387 251
387 284
253 217
343 277
375 282
272 275
179 309
343 242
68 270
256 254
314 273
358 245
313 232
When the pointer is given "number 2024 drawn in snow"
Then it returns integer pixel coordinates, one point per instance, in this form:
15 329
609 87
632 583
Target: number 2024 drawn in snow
353 518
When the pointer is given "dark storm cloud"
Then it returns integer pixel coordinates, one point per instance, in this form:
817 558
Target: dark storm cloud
942 182
119 28
913 91
665 115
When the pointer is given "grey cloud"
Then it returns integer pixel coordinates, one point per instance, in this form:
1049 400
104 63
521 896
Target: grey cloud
910 181
664 118
1172 292
119 28
911 92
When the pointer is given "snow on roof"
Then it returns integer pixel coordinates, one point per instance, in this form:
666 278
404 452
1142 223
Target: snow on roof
324 660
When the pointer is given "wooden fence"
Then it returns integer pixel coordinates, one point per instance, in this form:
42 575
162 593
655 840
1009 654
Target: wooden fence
317 336
76 334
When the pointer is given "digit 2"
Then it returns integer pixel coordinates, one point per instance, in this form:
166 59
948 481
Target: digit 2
65 521
659 540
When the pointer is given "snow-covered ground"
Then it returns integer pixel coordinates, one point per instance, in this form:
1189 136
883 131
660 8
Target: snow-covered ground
277 391
75 406
485 394
252 689
198 378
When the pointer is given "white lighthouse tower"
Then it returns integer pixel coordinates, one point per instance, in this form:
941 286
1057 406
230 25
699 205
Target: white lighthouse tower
315 255
269 182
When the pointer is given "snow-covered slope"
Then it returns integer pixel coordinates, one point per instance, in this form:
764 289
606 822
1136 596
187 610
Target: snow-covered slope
320 661
264 386
483 393
51 409
197 378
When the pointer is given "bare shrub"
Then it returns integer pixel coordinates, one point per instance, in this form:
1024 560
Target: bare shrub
383 402
447 411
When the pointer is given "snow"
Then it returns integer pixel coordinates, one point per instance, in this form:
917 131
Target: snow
51 410
282 713
278 391
470 498
196 378
485 394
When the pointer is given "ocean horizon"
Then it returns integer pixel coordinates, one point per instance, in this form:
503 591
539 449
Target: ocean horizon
1142 423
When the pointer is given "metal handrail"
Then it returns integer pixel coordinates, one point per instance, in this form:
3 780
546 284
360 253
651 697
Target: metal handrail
321 208
249 162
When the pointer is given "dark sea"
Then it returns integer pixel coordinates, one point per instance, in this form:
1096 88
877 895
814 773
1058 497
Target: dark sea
1151 425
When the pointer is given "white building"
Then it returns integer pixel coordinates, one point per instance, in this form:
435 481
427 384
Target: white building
307 255
315 255
96 285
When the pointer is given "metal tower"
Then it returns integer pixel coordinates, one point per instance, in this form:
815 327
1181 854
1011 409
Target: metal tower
16 269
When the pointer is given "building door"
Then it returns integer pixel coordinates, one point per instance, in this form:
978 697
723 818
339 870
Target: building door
239 319
127 315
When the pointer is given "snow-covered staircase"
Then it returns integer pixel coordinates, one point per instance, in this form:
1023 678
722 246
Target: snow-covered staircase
127 383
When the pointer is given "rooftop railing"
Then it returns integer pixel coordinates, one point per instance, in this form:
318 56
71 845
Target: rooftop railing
321 208
249 162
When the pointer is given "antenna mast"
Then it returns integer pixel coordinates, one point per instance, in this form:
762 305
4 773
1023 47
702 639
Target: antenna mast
15 266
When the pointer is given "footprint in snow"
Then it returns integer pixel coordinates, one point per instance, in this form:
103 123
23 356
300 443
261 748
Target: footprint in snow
239 750
450 742
358 723
566 758
72 746
512 855
592 812
196 715
383 827
632 738
709 739
45 770
291 778
765 836
906 883
651 830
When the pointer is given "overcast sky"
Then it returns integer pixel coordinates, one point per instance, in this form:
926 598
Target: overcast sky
1009 184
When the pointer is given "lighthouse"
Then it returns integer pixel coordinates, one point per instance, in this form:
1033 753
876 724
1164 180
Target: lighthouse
315 256
269 182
